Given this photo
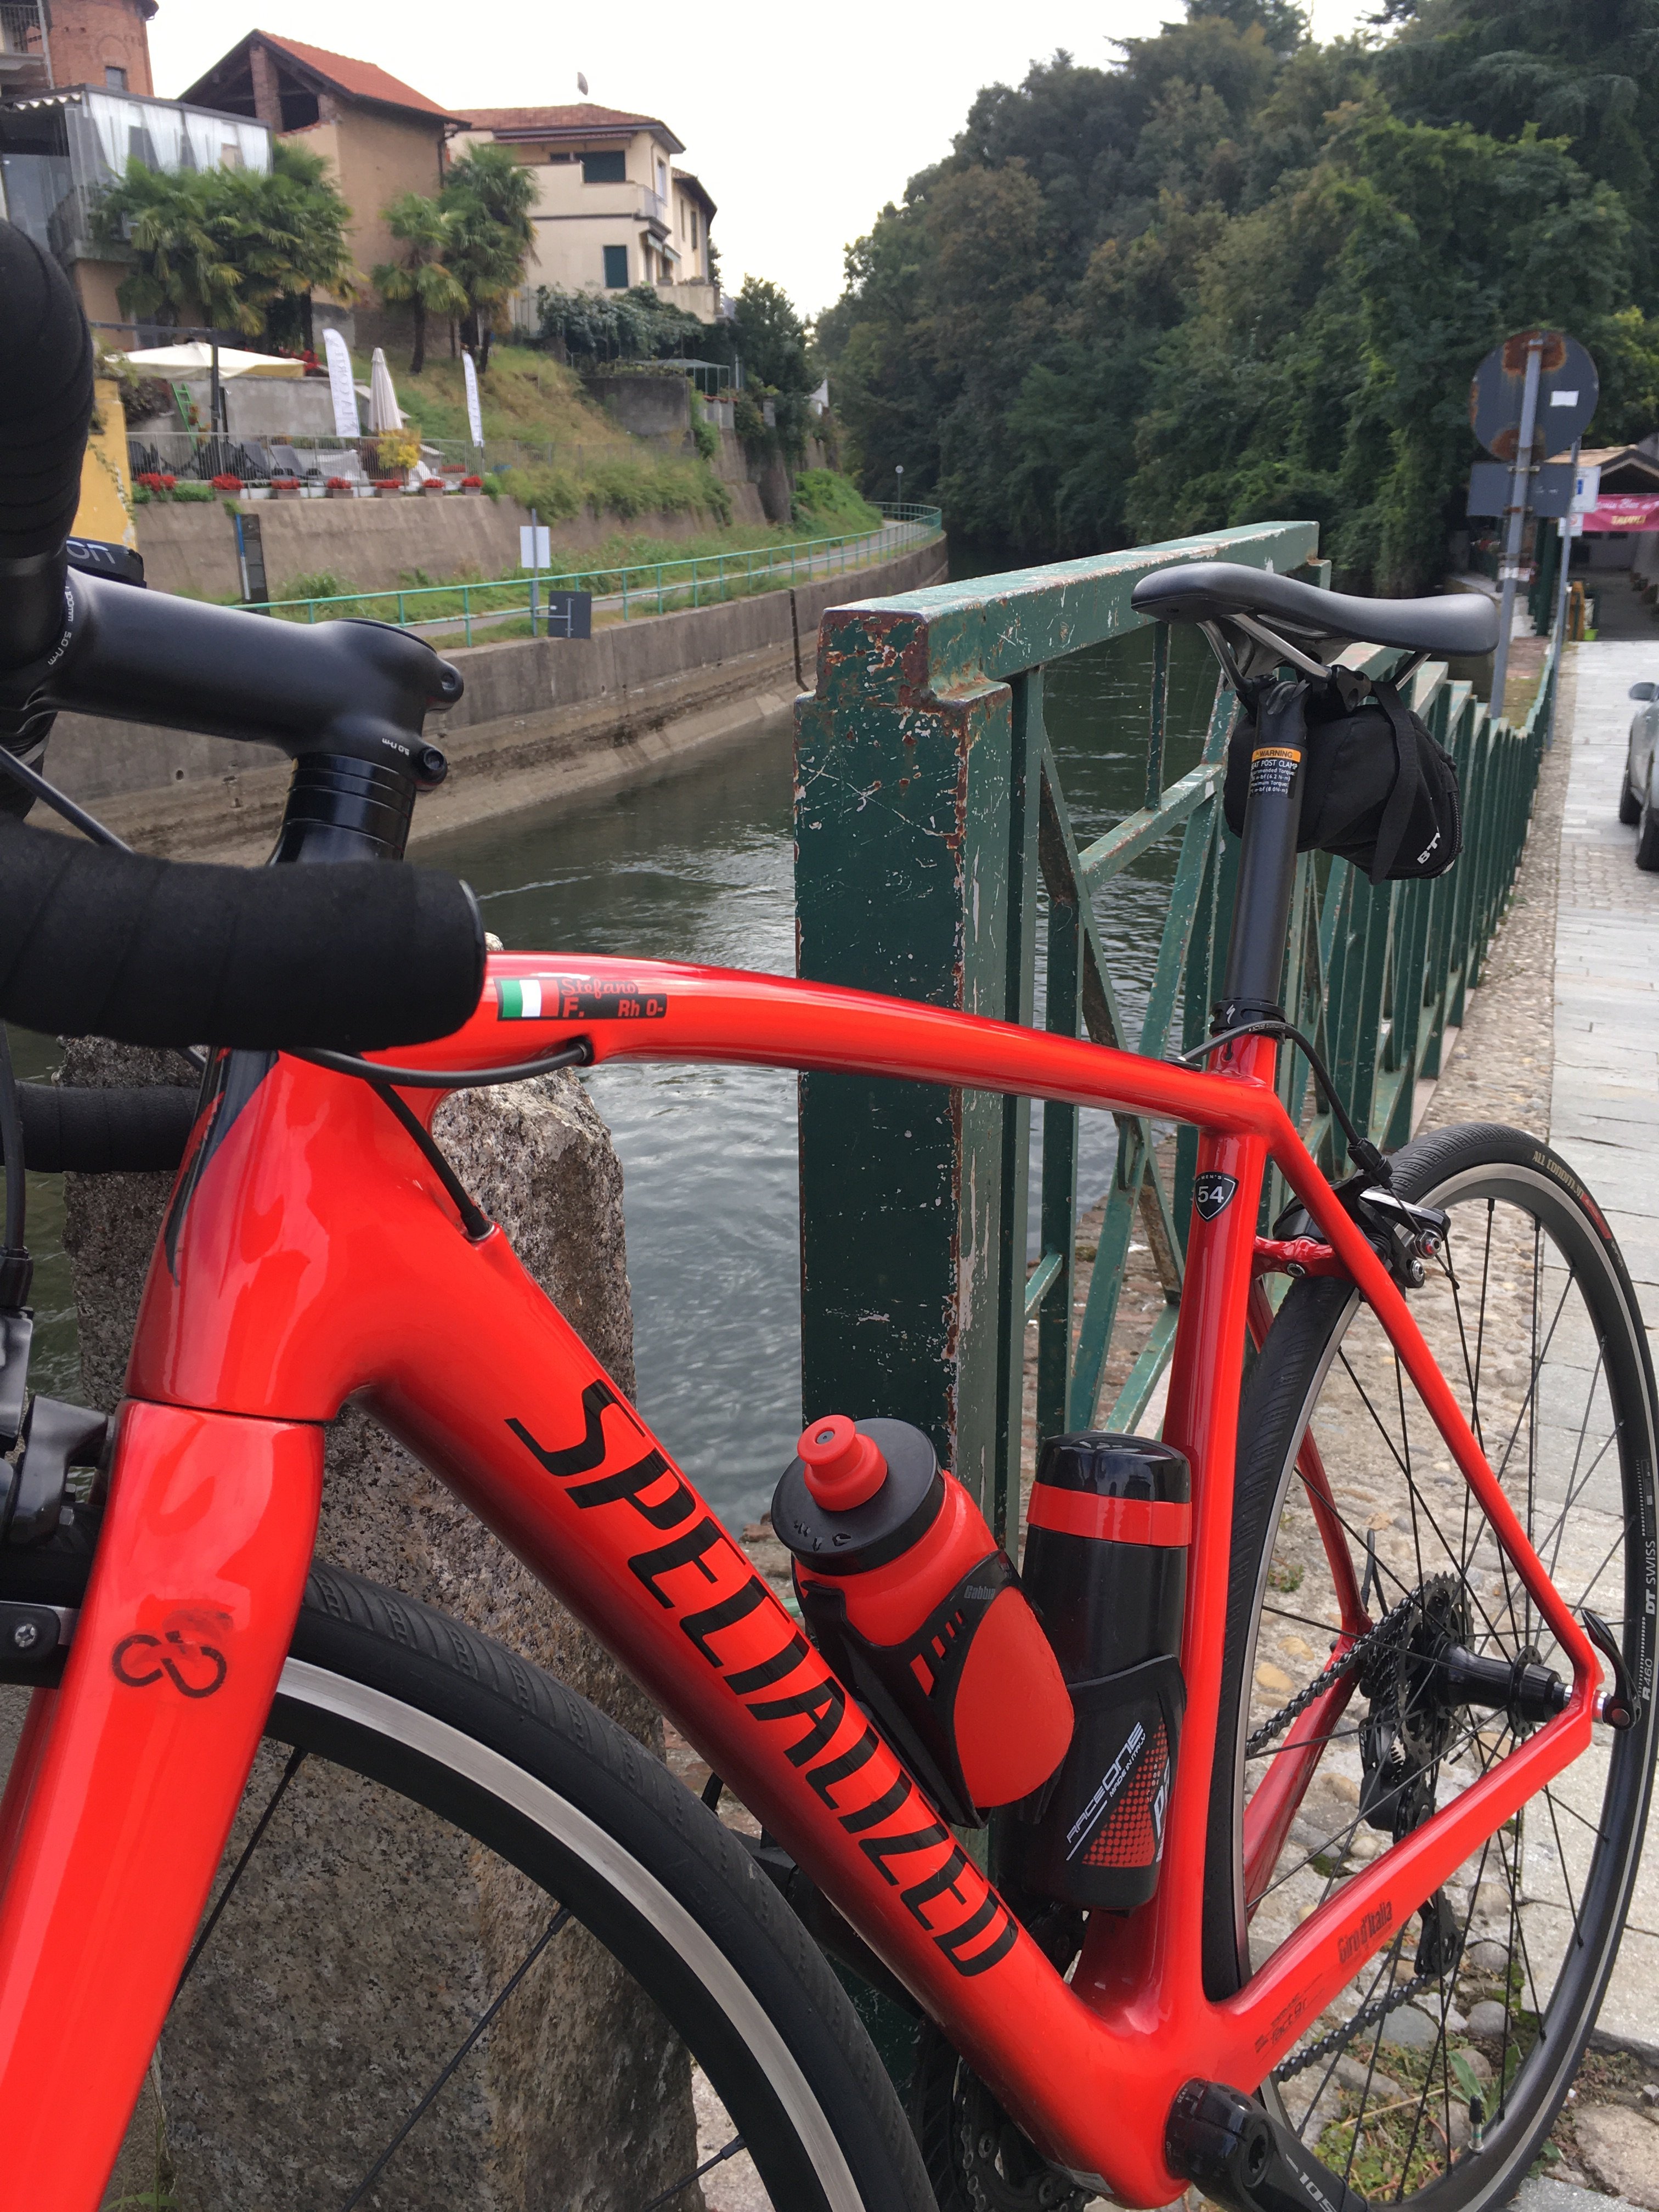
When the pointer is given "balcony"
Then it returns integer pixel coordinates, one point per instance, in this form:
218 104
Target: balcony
25 47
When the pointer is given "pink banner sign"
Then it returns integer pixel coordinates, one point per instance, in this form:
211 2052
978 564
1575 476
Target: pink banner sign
1625 511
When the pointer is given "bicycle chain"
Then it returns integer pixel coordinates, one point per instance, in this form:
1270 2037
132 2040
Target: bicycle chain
1344 1663
1385 1633
1367 2016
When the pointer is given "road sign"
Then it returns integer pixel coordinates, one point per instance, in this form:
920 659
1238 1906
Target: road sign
570 614
1568 388
534 546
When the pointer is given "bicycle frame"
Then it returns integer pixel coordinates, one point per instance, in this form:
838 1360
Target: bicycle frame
310 1255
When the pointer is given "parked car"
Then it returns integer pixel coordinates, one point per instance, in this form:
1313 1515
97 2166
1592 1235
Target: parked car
1638 799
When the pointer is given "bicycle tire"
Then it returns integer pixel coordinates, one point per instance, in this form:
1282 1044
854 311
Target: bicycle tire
418 1710
1310 1378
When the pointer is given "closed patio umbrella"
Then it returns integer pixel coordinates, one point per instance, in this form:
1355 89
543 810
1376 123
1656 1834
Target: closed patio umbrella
384 412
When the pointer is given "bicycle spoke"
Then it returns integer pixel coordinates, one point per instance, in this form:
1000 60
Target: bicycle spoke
295 1761
471 2037
707 2166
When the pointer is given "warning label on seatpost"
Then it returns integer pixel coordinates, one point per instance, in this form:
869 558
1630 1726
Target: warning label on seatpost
1272 770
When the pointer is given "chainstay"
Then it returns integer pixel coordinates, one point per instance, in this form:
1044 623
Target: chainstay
1344 1663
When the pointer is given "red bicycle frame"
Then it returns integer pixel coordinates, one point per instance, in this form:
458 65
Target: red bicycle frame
312 1255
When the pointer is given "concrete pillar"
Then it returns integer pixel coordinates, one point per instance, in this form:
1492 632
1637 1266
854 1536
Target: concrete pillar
371 1932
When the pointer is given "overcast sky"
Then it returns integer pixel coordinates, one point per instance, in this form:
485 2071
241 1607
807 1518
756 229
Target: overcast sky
801 121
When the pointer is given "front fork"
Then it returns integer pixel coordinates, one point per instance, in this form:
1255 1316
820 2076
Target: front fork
127 1778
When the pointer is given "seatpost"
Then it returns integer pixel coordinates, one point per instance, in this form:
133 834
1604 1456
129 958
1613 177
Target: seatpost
1267 869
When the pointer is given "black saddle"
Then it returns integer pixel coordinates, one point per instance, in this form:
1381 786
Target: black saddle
1463 622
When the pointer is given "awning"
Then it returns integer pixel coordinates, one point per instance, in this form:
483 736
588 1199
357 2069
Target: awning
197 360
1624 511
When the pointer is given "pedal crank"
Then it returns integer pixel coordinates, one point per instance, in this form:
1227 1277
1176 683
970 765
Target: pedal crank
1241 2157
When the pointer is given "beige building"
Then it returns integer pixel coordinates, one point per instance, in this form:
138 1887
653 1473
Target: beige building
612 208
379 135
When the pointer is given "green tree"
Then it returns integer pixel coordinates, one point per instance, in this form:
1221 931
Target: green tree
487 198
419 279
238 249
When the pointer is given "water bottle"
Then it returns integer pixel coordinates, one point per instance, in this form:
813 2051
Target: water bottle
1108 1529
920 1612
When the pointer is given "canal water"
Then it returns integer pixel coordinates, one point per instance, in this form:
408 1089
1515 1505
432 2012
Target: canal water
698 866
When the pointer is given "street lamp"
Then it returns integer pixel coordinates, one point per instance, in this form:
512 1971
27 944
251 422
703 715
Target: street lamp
898 474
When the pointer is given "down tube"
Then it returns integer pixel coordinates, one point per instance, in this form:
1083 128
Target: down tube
515 1415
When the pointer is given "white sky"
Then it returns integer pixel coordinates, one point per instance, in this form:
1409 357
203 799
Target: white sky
801 121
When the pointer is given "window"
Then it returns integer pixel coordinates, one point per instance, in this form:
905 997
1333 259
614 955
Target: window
230 156
616 266
604 169
662 180
115 80
694 229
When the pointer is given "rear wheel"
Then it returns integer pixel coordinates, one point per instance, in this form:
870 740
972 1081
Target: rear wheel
1630 807
1647 836
442 1860
1437 2073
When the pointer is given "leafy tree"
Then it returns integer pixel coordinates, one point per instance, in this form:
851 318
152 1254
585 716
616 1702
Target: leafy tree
419 279
238 249
487 198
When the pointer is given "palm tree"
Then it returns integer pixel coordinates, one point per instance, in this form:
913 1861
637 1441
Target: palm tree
420 279
184 267
488 197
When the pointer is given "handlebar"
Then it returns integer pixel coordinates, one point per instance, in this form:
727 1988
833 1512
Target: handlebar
351 957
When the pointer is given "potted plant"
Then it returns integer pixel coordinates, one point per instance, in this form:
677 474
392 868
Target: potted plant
388 487
435 483
155 484
227 483
473 487
286 486
340 488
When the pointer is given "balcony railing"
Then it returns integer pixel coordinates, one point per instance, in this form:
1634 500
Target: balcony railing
25 44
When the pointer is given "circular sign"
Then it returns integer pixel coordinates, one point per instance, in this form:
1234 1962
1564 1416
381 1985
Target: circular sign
1568 388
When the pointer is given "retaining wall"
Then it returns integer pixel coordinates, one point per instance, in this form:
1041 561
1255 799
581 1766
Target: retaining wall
540 717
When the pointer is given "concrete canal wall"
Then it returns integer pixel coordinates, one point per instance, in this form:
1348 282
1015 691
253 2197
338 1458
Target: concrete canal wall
541 718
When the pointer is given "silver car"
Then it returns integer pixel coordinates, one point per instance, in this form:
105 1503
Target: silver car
1638 799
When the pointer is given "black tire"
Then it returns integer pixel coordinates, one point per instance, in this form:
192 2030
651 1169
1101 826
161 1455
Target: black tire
1647 837
1507 1194
1630 807
394 1707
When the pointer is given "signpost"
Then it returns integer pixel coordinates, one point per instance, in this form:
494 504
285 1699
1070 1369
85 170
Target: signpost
1530 397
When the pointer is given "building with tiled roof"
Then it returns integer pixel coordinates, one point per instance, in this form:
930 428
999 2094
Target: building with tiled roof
612 208
380 137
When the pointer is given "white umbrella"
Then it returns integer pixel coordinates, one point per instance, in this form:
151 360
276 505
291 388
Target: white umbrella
384 412
186 360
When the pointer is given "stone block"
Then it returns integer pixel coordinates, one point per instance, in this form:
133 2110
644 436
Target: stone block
372 1929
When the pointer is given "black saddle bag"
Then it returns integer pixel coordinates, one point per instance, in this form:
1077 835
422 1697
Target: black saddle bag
1376 788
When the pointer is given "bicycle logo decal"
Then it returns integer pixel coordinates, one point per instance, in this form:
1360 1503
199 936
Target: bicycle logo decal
1212 1194
195 1669
844 1760
576 999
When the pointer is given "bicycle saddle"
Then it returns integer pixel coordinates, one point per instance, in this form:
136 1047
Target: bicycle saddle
1212 591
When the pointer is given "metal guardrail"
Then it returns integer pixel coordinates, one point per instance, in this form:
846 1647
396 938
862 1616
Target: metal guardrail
934 844
197 456
653 588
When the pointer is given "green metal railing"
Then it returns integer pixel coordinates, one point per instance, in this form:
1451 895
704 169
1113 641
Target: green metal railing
934 844
652 587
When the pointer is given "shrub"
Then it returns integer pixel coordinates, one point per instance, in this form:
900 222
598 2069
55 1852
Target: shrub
227 482
472 483
283 483
198 494
825 497
141 496
154 482
338 483
388 483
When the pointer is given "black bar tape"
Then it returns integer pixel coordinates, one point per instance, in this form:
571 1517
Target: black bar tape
118 1131
354 956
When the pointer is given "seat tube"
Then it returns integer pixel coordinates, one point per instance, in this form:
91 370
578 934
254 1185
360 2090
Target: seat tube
135 1780
1266 870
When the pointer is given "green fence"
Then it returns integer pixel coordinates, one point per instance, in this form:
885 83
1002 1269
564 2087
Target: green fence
934 843
653 587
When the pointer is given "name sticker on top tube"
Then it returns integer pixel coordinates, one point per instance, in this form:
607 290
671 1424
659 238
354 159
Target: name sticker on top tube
575 998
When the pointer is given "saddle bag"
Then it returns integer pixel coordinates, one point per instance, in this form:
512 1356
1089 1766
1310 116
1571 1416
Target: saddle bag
1376 789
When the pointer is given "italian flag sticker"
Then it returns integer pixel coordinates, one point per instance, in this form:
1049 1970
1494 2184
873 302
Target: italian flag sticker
519 999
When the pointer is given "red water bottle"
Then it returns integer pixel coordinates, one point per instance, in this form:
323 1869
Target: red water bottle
919 1610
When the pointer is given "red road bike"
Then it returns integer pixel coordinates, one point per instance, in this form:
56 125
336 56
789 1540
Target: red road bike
1407 1811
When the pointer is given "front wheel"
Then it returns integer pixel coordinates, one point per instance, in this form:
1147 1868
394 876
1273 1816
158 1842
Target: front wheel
1647 836
443 1859
1630 807
1437 2073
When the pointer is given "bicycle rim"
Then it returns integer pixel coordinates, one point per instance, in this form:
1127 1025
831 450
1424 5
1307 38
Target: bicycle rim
1438 2072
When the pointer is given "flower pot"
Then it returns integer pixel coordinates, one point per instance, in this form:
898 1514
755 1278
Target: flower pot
473 491
340 491
436 484
283 491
